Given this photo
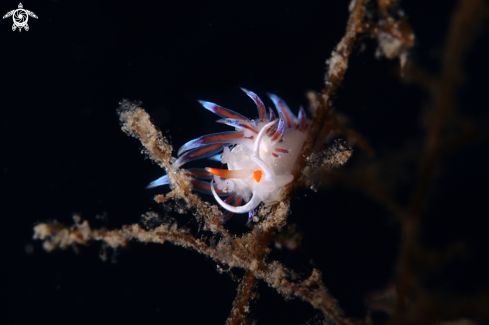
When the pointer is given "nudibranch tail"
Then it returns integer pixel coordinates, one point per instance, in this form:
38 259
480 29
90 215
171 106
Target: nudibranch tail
256 145
260 155
226 173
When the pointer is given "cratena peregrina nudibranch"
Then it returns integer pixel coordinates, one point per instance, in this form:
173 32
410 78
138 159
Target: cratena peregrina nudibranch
260 155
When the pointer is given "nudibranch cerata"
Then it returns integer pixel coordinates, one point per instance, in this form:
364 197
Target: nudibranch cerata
260 155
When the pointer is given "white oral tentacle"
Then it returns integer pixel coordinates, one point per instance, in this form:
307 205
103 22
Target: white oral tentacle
253 203
256 147
269 174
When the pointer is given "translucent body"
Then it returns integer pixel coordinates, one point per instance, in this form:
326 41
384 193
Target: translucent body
260 155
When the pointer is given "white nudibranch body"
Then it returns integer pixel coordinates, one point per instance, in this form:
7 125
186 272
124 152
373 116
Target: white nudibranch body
260 155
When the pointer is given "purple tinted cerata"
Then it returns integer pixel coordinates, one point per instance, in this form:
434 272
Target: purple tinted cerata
259 154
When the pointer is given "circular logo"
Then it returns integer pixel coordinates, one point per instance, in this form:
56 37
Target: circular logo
20 17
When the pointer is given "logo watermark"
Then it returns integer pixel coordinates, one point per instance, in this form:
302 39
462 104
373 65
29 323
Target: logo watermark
20 17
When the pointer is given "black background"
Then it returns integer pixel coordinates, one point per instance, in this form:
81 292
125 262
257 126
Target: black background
62 152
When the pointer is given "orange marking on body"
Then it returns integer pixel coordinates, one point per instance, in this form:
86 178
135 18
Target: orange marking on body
226 173
277 134
257 175
271 130
281 150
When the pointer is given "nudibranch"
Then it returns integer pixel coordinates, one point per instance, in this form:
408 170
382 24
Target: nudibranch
260 155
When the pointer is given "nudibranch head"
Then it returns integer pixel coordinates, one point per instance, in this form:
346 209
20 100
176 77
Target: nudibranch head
260 155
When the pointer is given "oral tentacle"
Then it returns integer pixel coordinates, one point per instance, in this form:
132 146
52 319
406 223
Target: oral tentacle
260 135
227 173
252 204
